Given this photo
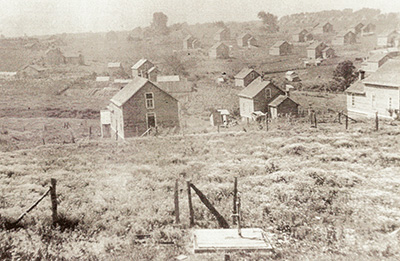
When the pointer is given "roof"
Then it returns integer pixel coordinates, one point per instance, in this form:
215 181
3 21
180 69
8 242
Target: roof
122 80
114 65
278 100
188 37
128 91
172 87
152 69
298 31
357 87
216 45
387 75
243 73
221 30
102 79
343 33
377 57
243 35
223 112
53 49
315 45
327 48
388 32
254 88
139 63
35 67
279 43
291 73
168 78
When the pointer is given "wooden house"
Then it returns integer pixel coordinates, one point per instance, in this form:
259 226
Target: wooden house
377 93
74 58
328 52
243 40
54 56
315 49
261 96
222 34
302 35
281 48
219 51
142 105
245 77
388 38
142 68
283 105
368 29
373 63
323 28
31 70
357 28
190 43
345 38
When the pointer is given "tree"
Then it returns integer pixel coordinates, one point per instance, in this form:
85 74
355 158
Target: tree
270 21
345 74
159 23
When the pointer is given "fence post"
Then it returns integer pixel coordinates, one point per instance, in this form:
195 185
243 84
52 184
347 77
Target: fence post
218 128
376 121
340 121
266 120
176 201
191 211
90 132
53 197
234 201
315 119
347 122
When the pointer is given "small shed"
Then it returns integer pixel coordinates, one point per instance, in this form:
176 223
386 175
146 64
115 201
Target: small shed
345 38
252 42
141 68
368 29
219 51
114 68
219 117
54 56
314 51
328 52
300 35
190 42
323 28
281 48
283 105
245 77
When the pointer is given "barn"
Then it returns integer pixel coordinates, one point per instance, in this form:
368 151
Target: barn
115 68
140 106
388 38
219 51
245 77
314 51
222 34
281 48
379 92
345 38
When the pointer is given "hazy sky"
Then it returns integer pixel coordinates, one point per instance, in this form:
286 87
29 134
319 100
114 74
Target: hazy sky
56 16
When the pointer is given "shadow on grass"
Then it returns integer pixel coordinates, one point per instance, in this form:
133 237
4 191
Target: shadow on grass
8 224
67 223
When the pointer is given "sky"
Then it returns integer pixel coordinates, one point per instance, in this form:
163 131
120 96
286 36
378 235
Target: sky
39 17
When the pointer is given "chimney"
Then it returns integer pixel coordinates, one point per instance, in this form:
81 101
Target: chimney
361 75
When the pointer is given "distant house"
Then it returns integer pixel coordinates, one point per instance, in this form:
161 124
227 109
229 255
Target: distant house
357 28
115 68
245 77
222 34
368 29
54 56
112 36
323 28
146 69
374 62
219 51
388 38
345 38
178 87
265 97
314 51
74 58
252 42
219 117
190 42
301 36
281 48
292 76
243 40
379 92
328 52
142 105
31 71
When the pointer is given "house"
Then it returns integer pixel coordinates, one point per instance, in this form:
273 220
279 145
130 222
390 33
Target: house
328 52
245 77
190 42
374 62
281 48
31 70
292 76
73 58
219 51
388 38
323 28
54 56
368 29
251 42
142 105
178 87
256 97
222 34
219 117
345 38
283 105
314 50
379 92
357 28
143 68
302 35
243 40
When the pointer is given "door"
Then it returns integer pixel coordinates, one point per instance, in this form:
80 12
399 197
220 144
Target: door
151 120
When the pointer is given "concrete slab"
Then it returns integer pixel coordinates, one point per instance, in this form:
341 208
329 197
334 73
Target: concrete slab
212 240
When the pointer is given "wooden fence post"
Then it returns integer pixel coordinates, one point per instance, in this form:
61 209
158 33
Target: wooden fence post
376 121
218 128
340 121
191 211
90 132
266 120
347 122
53 197
234 201
176 201
315 119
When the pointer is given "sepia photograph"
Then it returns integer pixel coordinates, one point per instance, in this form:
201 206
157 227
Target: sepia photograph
199 130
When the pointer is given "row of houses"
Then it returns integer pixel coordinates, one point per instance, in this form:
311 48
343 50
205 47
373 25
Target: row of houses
54 56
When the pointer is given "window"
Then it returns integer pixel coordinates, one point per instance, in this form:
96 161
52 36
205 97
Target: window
149 100
353 102
268 93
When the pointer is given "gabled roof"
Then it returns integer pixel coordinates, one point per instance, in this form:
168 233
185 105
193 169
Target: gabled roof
357 87
153 69
387 75
53 49
188 37
388 32
113 65
243 73
216 45
279 43
278 100
254 88
315 45
35 67
377 57
298 31
168 78
243 35
344 33
139 63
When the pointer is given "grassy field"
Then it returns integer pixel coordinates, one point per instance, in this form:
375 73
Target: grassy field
323 194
